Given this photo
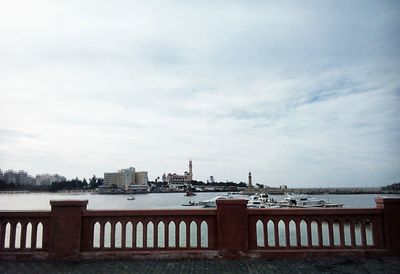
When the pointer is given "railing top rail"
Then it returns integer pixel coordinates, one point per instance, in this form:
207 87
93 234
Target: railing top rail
28 214
315 211
205 212
388 200
150 213
68 202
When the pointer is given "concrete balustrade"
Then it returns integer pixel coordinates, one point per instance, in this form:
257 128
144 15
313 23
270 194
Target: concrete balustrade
70 231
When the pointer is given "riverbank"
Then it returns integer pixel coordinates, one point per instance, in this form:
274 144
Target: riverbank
272 191
319 191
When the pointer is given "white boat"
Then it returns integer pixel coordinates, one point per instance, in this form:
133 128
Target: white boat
236 195
255 204
211 202
262 197
256 201
265 200
301 200
190 193
131 198
191 203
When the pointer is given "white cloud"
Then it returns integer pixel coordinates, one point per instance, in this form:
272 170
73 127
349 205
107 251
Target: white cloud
304 95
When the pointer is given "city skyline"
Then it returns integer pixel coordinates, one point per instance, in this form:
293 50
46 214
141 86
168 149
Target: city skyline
304 94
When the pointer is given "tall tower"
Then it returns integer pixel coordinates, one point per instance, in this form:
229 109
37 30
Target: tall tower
190 170
250 183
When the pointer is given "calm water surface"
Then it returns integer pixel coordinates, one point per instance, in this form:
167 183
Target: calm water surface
40 201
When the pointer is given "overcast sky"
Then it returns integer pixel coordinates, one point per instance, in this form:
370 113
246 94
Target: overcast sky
302 93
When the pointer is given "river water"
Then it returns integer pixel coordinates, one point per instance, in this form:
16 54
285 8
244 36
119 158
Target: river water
41 201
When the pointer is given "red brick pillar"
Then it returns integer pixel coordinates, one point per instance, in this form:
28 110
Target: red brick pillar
232 228
391 222
65 232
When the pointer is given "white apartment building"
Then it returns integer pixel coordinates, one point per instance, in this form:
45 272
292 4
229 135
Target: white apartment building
20 177
122 179
128 176
142 178
48 179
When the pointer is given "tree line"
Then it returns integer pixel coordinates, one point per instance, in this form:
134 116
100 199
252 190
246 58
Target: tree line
395 186
201 183
73 184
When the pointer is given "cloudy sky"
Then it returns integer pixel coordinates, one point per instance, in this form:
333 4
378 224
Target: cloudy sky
303 93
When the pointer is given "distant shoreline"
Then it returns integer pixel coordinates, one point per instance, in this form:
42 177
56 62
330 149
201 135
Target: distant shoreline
271 191
344 191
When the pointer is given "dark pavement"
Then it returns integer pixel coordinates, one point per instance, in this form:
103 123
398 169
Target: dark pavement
193 266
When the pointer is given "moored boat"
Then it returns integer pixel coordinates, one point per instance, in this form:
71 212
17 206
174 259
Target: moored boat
191 203
255 204
211 202
305 201
190 193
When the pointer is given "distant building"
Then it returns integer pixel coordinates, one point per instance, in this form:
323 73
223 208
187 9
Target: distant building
180 182
126 179
48 179
10 177
185 178
122 179
138 188
111 178
128 176
142 178
21 177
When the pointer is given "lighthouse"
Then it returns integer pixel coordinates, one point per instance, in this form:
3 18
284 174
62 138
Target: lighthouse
250 183
190 170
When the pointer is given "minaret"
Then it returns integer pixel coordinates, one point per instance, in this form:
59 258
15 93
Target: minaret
190 170
250 183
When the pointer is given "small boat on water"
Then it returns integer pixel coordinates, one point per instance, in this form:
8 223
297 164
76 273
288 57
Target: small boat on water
262 200
301 200
131 198
262 197
305 201
211 202
191 203
190 193
255 204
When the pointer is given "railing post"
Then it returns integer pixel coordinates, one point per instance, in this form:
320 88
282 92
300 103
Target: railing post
232 227
391 222
66 226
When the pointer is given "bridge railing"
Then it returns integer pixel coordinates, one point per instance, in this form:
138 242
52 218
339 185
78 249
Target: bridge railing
24 232
316 228
148 230
69 230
